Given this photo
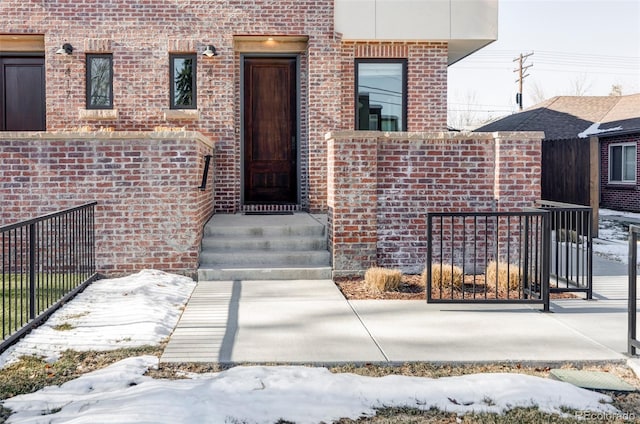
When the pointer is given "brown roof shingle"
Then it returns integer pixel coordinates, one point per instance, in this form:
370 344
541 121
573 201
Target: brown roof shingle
567 116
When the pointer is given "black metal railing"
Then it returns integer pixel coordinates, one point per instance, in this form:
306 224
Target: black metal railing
205 172
45 261
571 267
488 257
632 340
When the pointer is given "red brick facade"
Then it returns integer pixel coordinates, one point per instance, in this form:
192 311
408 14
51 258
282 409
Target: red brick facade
613 195
426 80
145 174
140 38
150 211
382 185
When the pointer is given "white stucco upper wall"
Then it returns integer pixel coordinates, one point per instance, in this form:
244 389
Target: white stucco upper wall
466 24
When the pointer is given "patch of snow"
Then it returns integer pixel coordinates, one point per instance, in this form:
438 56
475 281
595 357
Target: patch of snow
613 251
613 234
595 129
609 212
141 309
145 307
121 393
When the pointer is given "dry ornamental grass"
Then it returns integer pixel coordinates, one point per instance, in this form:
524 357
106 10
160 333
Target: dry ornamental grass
382 280
444 276
506 276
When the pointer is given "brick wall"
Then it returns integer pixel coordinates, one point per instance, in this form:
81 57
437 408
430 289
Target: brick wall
382 185
624 197
150 211
426 80
141 36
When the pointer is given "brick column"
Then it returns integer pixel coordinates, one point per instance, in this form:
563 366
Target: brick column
352 200
518 167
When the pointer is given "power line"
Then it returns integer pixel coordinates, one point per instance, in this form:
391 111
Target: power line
556 58
522 74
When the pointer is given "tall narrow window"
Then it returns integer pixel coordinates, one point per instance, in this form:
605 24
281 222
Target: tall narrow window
183 81
381 95
99 81
622 163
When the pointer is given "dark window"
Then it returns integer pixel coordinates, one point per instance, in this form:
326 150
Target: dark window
99 81
183 81
622 163
381 95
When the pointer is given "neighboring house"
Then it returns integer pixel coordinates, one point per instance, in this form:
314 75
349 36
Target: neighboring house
122 101
603 130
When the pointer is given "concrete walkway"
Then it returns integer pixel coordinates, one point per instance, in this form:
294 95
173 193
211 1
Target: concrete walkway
311 322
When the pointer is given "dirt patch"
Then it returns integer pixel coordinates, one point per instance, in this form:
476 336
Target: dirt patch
355 289
411 288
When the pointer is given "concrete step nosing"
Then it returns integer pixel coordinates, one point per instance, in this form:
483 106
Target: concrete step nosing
211 243
264 273
317 230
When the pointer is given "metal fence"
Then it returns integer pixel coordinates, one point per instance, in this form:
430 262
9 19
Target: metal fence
632 340
45 261
488 257
571 268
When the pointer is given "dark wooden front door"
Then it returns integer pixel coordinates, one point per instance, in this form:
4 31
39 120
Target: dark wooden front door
270 152
22 94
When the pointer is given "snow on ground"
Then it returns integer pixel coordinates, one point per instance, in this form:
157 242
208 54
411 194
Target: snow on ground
122 394
141 309
613 234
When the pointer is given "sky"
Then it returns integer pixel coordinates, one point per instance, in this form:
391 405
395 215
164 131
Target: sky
149 305
579 47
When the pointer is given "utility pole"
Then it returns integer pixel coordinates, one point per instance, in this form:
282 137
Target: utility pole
521 69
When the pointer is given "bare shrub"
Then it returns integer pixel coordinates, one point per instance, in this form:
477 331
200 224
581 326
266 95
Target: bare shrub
508 276
381 279
444 275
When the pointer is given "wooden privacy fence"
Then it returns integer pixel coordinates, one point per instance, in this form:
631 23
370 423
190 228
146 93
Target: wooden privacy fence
569 173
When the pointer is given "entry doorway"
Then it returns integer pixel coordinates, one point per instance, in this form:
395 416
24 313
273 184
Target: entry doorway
270 130
22 94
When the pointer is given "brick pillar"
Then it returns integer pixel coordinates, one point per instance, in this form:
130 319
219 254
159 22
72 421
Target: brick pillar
352 201
518 167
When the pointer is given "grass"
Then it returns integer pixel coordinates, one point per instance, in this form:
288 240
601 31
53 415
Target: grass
64 327
15 293
381 280
444 275
31 374
507 276
435 416
504 276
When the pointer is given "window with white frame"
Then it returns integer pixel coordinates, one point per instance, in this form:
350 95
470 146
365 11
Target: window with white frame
622 163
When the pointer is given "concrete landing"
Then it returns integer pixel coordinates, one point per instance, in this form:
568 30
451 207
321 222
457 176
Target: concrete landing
305 321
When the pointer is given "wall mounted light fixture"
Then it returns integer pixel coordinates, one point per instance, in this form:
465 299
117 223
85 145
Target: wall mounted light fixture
210 51
65 49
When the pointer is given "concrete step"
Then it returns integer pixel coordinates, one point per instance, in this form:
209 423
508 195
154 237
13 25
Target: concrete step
228 226
273 273
253 258
287 247
219 244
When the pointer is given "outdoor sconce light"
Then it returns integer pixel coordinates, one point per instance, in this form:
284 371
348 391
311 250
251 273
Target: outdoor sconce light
65 49
210 51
